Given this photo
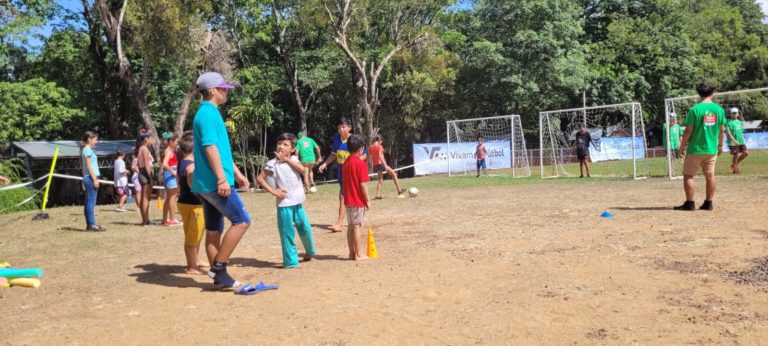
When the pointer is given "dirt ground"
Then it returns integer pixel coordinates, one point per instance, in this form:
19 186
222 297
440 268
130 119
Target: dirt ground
509 264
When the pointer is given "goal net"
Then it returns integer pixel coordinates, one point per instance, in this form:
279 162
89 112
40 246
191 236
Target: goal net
618 132
503 139
752 107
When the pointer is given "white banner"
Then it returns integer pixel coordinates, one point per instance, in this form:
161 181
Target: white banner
432 158
616 148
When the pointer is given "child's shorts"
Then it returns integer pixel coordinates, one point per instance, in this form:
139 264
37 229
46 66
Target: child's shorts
169 180
194 223
355 215
481 164
136 184
123 191
380 168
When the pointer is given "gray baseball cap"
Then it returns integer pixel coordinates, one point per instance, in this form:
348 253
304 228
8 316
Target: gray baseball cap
211 80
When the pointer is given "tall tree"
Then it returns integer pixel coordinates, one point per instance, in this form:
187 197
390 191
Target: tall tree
306 58
370 34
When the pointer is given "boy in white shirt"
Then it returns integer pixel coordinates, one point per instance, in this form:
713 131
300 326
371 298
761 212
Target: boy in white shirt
121 180
289 192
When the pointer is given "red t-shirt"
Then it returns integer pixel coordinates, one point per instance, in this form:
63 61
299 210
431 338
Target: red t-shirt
354 171
375 152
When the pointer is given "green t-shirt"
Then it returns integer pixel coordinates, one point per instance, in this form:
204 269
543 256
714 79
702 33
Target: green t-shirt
736 128
674 136
306 147
706 120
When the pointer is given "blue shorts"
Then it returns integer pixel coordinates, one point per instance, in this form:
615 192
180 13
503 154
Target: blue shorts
216 208
169 180
481 164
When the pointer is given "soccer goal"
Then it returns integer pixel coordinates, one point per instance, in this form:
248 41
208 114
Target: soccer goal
752 106
618 131
503 139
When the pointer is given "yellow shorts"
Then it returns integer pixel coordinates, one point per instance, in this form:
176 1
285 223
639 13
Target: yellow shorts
693 163
194 223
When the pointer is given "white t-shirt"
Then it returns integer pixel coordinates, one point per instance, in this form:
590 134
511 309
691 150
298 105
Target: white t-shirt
120 178
287 179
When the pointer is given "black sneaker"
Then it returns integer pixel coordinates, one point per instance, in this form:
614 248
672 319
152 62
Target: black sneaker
687 206
707 205
95 228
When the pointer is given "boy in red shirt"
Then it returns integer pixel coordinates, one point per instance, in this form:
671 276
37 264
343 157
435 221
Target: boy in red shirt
355 189
376 152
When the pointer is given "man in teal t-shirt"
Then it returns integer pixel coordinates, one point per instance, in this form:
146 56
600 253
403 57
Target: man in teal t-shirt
309 155
702 142
734 130
675 135
214 180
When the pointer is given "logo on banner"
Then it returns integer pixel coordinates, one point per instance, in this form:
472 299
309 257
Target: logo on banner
434 152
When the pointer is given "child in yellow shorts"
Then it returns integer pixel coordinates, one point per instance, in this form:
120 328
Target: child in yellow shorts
189 206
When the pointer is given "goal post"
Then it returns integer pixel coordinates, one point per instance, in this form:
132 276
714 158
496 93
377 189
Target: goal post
503 138
618 130
752 106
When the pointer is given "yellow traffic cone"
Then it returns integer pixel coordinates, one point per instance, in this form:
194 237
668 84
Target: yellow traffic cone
372 253
159 202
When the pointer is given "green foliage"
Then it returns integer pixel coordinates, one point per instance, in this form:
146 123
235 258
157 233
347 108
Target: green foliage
17 18
10 198
34 110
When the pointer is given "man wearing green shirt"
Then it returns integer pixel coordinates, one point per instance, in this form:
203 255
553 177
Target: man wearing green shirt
675 135
702 143
734 130
309 155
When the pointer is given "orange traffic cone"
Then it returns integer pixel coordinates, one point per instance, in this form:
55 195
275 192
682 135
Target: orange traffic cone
372 253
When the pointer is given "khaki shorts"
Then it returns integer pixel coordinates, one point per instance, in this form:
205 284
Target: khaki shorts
308 165
693 163
355 215
194 223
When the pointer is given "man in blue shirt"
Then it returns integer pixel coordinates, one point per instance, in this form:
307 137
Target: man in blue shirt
214 179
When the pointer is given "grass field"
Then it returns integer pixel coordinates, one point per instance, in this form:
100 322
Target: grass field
492 260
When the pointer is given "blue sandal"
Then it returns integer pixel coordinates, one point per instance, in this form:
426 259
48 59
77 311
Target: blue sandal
250 289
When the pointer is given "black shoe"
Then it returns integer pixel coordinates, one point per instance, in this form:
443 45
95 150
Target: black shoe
687 206
707 205
95 228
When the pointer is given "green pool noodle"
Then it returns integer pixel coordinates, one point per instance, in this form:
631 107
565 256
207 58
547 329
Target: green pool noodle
12 273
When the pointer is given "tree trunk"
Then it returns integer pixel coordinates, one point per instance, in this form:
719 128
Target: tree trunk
138 93
96 50
181 120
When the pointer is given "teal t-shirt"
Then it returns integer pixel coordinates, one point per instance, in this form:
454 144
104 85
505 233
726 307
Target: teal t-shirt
706 120
306 147
89 157
736 128
208 129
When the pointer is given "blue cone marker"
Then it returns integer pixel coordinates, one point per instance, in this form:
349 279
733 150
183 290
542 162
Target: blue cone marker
606 214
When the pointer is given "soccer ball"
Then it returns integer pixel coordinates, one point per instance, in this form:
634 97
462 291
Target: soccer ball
312 189
413 192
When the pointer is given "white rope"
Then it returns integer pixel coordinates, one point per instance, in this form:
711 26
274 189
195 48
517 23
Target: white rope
374 174
18 186
108 182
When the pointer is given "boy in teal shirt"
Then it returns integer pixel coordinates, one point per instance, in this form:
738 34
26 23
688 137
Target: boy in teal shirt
734 130
702 143
675 135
